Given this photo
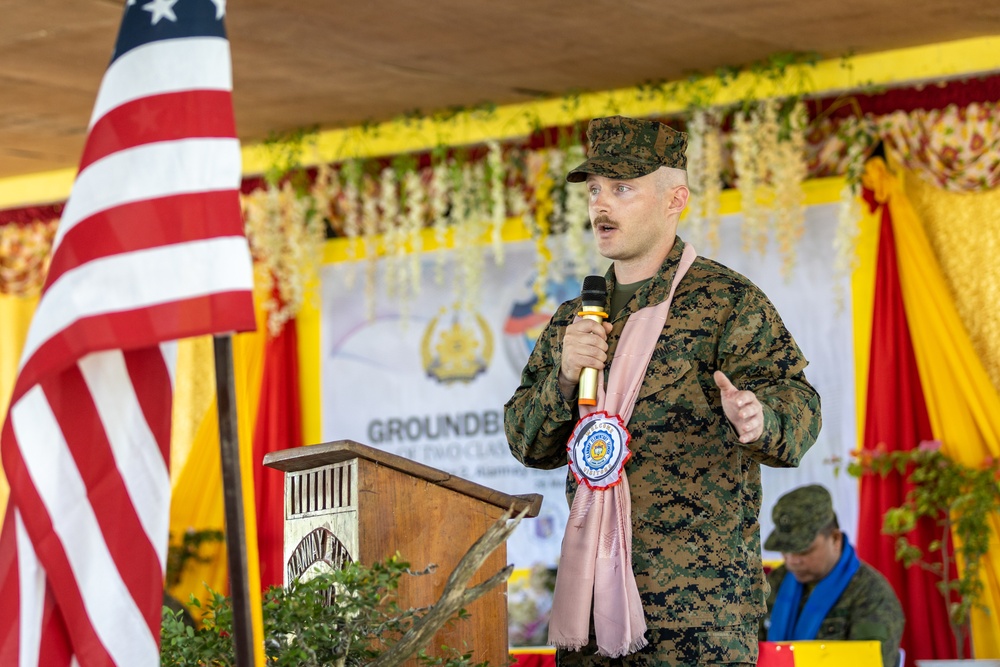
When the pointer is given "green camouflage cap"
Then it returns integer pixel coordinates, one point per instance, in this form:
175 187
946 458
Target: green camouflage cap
798 516
623 148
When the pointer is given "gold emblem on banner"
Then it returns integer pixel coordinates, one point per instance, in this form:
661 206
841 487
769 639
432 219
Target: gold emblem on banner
456 349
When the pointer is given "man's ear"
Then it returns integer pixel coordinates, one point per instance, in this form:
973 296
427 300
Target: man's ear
679 198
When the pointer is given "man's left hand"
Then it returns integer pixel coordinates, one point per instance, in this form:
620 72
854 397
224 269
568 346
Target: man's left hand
742 408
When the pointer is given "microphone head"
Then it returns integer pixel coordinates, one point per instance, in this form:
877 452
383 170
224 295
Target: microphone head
595 289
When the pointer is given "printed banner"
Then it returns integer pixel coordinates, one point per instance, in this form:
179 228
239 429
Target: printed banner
429 383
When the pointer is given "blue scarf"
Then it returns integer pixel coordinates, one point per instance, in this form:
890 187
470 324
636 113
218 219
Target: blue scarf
784 625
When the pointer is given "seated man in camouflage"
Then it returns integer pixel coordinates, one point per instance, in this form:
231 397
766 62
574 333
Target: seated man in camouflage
831 594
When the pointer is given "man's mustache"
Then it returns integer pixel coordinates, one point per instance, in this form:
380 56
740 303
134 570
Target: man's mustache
603 219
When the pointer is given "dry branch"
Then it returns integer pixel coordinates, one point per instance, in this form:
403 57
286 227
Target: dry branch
455 596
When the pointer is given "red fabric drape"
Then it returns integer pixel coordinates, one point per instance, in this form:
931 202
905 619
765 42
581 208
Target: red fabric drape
279 426
896 419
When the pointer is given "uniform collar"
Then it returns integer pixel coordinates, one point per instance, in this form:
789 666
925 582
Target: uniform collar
657 289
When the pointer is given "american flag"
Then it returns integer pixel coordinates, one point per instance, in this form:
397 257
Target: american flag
150 249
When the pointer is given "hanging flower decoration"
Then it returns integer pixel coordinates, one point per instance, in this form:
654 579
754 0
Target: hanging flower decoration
25 252
537 219
350 206
393 235
498 201
581 252
788 173
466 202
286 234
704 159
745 161
855 138
370 229
695 220
414 198
712 180
440 193
954 148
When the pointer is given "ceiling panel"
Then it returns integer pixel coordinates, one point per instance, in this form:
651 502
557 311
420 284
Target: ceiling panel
304 63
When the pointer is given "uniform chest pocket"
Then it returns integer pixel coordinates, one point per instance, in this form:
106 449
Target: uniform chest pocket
833 628
673 385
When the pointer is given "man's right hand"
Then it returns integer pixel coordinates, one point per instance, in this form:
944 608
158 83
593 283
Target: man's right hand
584 345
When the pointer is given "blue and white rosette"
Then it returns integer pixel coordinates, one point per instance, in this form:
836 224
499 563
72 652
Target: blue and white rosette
598 450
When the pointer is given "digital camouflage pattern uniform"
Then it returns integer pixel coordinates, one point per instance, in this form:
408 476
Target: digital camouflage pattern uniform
868 609
695 488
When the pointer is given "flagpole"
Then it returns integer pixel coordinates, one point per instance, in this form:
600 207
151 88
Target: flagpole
232 489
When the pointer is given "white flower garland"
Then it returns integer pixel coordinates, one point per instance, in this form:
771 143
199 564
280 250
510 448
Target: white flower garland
470 201
393 237
857 135
413 220
440 193
789 170
350 174
370 228
580 248
536 214
468 228
498 202
745 163
712 180
556 174
285 232
694 223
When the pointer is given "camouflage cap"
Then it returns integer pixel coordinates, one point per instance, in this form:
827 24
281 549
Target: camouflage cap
623 147
798 516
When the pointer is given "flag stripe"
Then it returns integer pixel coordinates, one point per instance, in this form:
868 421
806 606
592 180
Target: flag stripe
133 447
187 217
131 329
156 119
57 569
111 610
168 168
56 650
169 66
9 590
113 284
109 491
169 351
148 375
31 586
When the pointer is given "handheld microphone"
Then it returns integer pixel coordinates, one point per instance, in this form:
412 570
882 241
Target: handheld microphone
593 295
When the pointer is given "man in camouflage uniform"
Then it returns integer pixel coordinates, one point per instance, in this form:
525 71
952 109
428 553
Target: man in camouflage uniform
723 393
807 533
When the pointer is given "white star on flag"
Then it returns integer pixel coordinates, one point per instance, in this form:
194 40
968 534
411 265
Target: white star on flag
161 9
220 8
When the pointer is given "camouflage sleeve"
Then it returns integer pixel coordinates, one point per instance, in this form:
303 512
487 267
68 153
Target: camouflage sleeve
758 353
538 419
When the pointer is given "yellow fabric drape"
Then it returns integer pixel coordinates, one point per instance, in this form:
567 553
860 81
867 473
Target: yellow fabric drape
964 232
15 316
963 405
862 308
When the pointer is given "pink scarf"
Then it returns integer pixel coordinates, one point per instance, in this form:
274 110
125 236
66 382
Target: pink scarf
596 561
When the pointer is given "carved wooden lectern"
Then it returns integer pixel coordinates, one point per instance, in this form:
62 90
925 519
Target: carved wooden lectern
345 501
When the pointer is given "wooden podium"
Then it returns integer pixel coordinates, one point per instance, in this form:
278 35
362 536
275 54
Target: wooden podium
345 501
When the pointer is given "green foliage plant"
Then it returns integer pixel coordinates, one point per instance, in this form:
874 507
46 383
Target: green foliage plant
959 500
341 618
